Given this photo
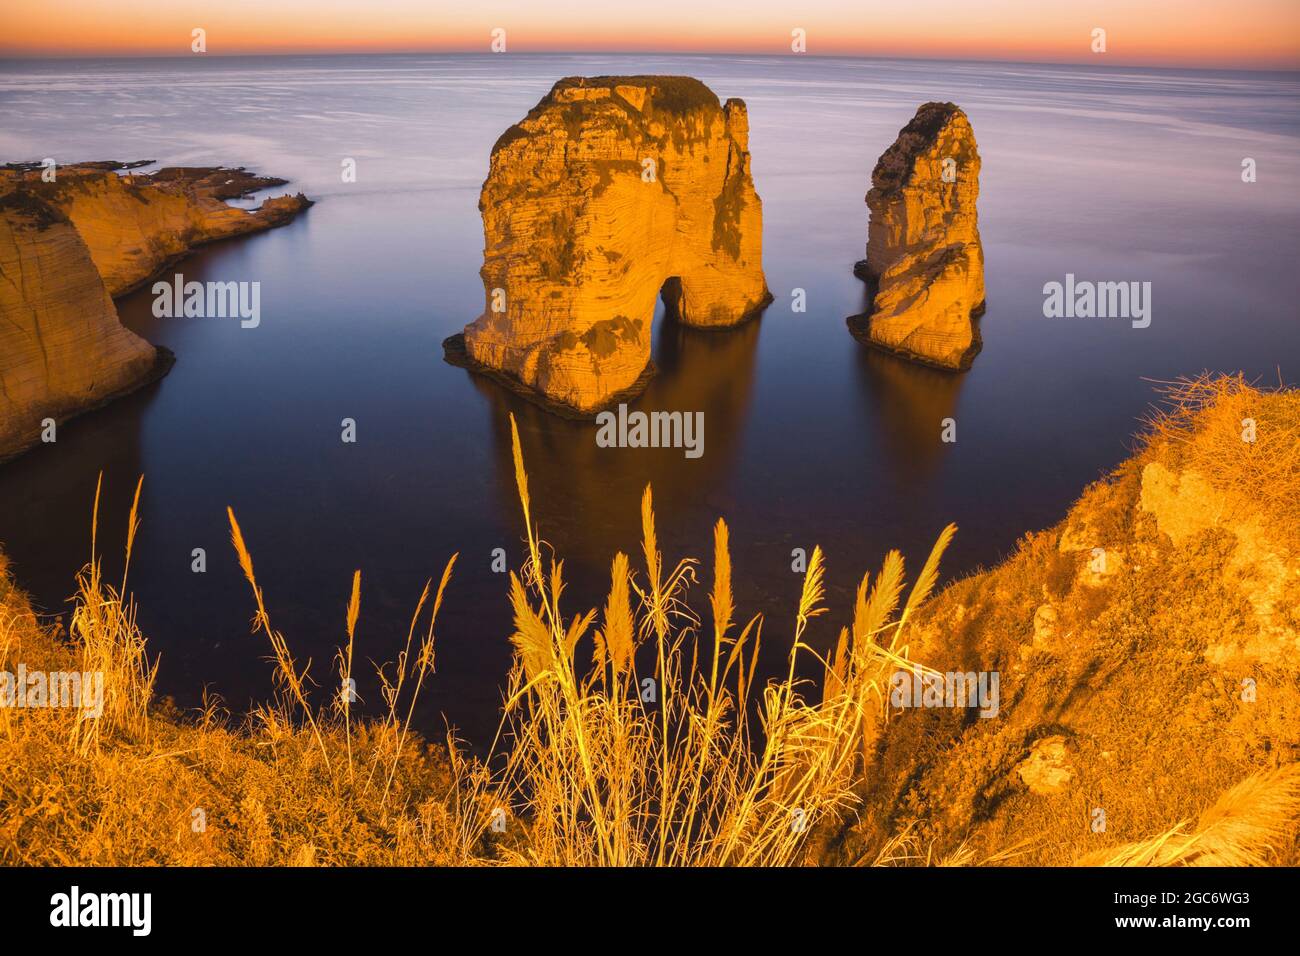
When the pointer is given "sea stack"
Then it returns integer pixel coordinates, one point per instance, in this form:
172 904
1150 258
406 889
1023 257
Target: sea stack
610 192
923 243
62 348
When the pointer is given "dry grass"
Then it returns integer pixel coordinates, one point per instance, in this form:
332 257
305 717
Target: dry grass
1245 439
649 755
640 733
628 736
1141 671
1247 826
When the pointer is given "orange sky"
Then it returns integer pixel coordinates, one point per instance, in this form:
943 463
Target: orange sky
1228 33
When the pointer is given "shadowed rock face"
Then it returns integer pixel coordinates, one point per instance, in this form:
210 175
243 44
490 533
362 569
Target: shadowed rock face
62 348
610 187
923 244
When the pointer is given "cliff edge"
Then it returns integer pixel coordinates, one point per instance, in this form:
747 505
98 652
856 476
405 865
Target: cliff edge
68 247
62 348
136 224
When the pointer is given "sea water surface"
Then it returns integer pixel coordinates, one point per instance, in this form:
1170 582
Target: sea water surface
1109 174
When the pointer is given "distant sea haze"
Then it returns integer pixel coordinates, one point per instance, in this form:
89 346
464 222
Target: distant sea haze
1123 176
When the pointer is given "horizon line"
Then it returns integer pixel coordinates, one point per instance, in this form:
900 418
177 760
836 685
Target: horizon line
1171 66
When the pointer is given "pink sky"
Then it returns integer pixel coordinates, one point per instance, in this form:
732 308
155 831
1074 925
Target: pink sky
1210 33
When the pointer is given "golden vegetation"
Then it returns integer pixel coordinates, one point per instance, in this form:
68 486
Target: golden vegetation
1153 633
639 733
1203 423
662 752
1247 826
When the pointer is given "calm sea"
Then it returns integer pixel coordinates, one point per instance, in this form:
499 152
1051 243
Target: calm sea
1118 174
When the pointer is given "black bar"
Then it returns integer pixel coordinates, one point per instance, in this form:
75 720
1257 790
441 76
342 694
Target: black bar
928 905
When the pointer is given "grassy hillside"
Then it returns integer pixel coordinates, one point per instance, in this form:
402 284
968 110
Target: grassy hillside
1143 679
1147 649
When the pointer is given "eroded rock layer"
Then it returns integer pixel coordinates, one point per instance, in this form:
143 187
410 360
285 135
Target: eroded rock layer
607 190
923 243
135 225
67 247
62 348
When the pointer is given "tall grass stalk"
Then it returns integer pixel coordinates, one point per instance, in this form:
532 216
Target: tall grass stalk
606 766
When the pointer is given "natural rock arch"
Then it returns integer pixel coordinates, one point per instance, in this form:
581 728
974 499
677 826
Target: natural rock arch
611 192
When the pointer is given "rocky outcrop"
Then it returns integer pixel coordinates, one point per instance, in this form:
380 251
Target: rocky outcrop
62 348
610 192
923 243
1148 648
137 224
68 247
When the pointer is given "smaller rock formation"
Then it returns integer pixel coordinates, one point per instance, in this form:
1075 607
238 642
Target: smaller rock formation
610 192
923 244
1047 770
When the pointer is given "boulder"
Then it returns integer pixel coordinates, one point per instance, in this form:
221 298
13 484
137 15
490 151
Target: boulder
1047 770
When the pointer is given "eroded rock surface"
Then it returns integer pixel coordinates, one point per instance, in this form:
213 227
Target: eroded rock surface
62 348
135 225
610 191
68 247
923 244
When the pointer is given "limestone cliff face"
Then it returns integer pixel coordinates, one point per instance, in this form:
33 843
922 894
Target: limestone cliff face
68 247
135 225
608 189
923 243
62 348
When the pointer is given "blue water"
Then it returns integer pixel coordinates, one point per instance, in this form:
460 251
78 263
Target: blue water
809 438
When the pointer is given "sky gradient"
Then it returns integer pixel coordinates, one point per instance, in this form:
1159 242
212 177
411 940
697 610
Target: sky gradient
1260 34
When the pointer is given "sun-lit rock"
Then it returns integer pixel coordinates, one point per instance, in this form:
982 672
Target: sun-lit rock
62 348
611 191
923 244
1047 770
72 242
136 224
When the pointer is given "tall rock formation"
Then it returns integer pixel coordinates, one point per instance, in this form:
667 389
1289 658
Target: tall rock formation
923 243
62 348
611 191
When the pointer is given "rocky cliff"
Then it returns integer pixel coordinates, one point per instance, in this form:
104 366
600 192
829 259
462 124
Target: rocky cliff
135 225
611 191
923 243
1148 648
62 348
68 247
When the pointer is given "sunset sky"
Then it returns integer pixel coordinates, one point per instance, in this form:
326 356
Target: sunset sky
1210 33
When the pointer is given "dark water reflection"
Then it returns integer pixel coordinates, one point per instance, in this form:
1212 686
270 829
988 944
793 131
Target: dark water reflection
916 400
698 371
